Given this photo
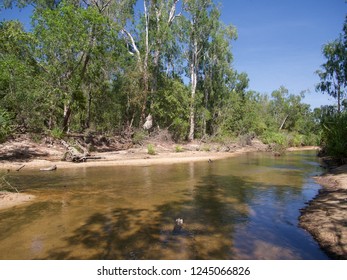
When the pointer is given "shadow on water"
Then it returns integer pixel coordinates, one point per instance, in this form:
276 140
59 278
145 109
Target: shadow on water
123 233
219 223
232 209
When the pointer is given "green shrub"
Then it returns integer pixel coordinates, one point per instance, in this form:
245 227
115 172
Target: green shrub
139 136
277 141
277 138
295 140
36 137
246 139
150 149
312 139
334 135
57 133
178 149
5 125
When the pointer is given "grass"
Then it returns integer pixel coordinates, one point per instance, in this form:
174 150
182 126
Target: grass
150 149
178 149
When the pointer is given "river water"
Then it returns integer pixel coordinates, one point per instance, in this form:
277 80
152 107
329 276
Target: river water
245 207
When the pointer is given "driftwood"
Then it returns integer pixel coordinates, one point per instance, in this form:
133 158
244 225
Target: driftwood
20 167
51 168
74 155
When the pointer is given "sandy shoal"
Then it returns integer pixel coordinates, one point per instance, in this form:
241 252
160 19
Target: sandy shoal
326 215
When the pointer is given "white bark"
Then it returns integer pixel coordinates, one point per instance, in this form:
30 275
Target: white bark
193 82
149 123
133 44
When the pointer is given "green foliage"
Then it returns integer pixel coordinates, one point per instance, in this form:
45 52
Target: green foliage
80 67
278 138
334 135
246 139
312 139
150 149
139 136
57 133
333 73
295 140
178 149
5 125
171 108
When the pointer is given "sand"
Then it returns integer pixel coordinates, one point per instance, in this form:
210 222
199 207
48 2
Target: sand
326 215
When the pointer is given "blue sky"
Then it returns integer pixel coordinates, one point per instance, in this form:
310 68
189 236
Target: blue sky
279 41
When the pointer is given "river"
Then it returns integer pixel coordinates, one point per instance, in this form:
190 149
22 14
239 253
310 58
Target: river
246 207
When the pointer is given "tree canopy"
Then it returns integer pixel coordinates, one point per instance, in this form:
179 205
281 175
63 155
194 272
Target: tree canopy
106 65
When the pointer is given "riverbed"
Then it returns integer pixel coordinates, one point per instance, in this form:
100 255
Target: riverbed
246 207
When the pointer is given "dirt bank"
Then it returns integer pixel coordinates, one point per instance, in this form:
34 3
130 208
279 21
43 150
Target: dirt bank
326 215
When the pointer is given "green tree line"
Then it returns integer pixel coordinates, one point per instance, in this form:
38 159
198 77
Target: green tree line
105 65
333 75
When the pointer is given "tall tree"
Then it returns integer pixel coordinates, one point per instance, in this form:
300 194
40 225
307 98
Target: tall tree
333 73
66 58
198 28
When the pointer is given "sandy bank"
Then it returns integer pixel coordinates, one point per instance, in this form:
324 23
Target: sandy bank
132 157
326 215
8 199
19 156
35 157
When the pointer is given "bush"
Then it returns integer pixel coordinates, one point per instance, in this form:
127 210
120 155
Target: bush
312 139
295 140
246 139
178 149
139 136
5 125
150 149
334 135
277 138
57 133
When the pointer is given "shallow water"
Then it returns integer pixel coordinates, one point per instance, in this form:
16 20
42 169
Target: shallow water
245 207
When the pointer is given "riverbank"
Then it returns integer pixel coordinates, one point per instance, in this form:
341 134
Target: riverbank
325 217
17 156
23 154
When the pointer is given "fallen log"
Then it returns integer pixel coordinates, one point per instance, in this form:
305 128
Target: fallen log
75 156
72 153
51 168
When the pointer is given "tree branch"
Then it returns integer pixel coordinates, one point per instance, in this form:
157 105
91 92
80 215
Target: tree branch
132 41
172 14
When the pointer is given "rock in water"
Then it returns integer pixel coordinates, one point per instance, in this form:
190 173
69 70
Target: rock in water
178 226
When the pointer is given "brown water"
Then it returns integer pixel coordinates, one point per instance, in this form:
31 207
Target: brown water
245 207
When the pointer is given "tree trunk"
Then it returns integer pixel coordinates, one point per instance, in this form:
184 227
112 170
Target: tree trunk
145 65
284 121
338 100
67 114
87 123
193 82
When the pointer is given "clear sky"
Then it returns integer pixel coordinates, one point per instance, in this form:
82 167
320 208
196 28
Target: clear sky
279 41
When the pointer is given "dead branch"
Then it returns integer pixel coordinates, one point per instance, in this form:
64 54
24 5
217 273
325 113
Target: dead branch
20 167
3 179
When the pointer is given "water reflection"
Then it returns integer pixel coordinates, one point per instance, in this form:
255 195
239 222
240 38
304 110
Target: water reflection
240 208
